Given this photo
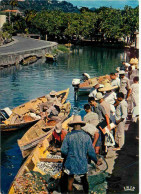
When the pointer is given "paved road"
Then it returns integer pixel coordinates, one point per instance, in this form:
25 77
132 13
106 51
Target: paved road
22 44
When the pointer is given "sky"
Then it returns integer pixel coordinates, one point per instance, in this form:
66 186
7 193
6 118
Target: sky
119 4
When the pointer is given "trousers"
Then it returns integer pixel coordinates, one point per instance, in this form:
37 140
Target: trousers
120 134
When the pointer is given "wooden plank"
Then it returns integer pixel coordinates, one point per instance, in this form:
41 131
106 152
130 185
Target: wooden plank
50 160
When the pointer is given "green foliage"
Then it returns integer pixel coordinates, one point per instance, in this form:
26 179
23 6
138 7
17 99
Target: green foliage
13 3
102 24
40 5
63 48
8 28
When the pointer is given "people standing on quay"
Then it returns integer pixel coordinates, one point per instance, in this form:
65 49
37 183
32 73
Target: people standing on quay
115 81
110 97
97 108
121 115
92 121
135 91
124 85
104 116
94 90
76 146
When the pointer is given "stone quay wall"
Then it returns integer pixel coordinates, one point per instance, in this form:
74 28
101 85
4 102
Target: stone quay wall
14 58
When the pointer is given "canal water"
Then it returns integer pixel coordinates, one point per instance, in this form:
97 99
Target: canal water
23 83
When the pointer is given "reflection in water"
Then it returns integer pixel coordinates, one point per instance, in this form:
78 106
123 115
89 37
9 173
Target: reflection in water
22 83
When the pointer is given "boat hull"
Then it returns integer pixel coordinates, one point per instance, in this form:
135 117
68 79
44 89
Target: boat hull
37 155
15 127
39 131
24 108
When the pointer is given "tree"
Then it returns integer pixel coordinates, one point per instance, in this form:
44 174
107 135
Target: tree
130 21
13 3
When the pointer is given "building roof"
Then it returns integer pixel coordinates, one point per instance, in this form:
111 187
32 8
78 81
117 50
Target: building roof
14 11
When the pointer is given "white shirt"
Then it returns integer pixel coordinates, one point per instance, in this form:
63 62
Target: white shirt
135 93
127 64
90 128
115 82
93 93
121 110
110 98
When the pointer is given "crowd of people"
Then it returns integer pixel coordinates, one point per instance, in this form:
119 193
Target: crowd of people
103 125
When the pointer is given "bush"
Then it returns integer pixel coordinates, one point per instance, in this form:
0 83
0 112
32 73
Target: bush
63 48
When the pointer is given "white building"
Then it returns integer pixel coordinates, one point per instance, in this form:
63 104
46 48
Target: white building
2 20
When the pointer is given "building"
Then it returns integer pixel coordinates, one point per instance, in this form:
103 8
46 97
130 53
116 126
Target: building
136 39
16 11
2 20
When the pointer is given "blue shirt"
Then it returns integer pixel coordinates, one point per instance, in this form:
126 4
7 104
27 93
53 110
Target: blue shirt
76 146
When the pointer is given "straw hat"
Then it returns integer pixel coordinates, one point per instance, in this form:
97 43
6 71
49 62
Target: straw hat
95 83
122 72
58 127
105 81
99 96
76 120
52 93
107 87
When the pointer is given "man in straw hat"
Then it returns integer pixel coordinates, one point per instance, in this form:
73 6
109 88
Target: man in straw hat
124 85
121 114
95 89
76 146
58 135
51 100
110 97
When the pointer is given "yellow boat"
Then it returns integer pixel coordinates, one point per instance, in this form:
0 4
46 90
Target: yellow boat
29 60
50 57
38 131
68 44
23 112
84 88
22 182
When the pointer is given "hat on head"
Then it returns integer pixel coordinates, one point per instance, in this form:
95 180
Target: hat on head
52 93
87 75
76 120
118 69
107 87
122 72
99 96
58 127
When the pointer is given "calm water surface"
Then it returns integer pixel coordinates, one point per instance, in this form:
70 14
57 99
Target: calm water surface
23 83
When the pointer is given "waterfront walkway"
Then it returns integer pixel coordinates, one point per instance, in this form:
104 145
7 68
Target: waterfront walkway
123 165
21 44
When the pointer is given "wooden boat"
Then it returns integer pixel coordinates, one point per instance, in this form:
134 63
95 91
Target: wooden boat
85 87
40 153
38 131
68 44
33 179
23 111
50 57
29 60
